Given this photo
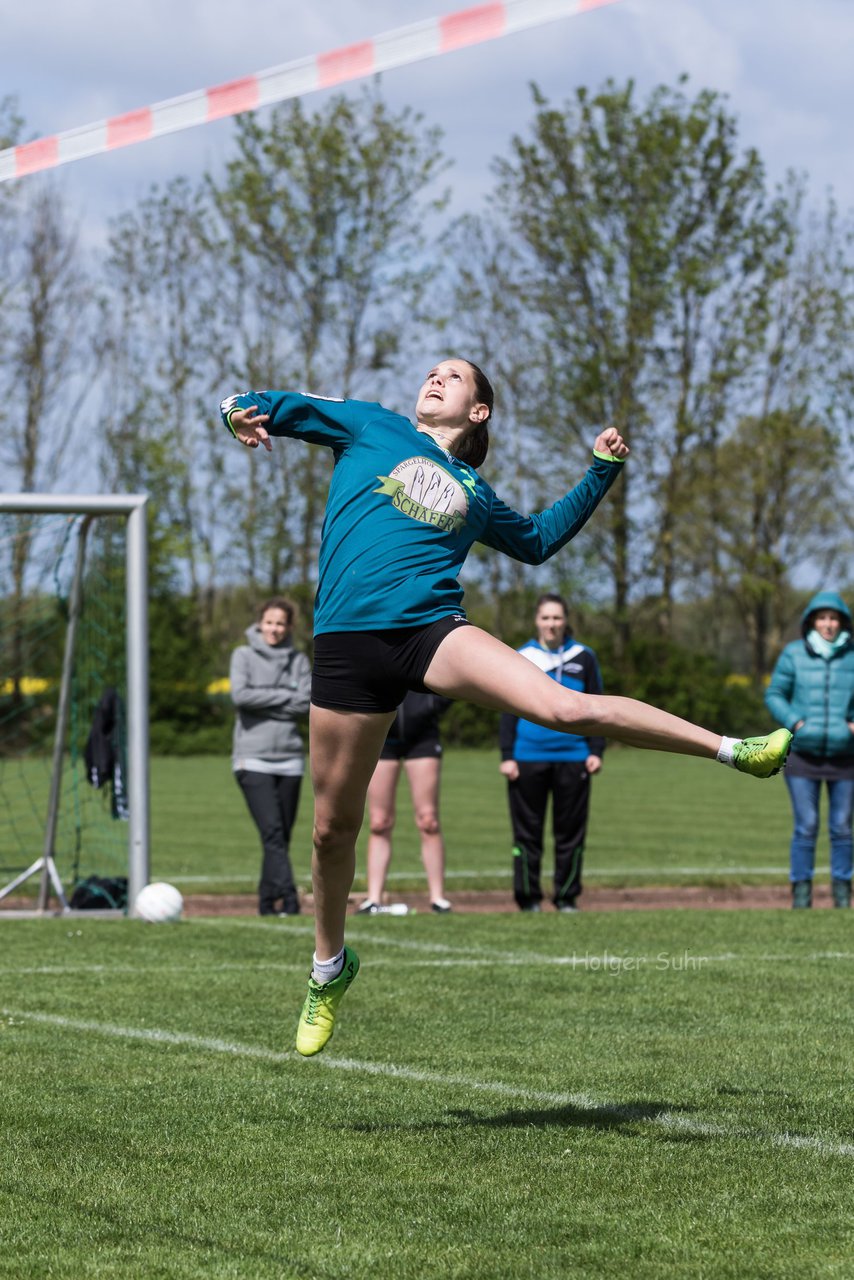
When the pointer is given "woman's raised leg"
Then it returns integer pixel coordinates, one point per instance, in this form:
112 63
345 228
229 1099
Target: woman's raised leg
472 664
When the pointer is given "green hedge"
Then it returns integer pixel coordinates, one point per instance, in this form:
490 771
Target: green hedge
686 683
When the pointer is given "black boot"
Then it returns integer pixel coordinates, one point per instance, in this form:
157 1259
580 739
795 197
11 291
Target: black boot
802 893
841 891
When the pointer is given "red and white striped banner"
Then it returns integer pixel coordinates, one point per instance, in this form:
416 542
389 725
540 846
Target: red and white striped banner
291 80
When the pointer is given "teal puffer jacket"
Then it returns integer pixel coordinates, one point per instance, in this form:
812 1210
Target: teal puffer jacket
820 691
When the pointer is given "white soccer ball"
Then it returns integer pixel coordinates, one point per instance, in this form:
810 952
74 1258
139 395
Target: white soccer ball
159 903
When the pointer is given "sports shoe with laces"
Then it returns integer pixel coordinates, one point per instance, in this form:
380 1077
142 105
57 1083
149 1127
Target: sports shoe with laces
368 908
762 757
317 1020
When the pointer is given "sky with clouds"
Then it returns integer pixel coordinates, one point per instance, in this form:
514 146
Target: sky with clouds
785 65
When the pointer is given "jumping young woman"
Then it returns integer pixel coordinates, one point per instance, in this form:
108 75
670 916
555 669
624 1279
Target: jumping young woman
405 506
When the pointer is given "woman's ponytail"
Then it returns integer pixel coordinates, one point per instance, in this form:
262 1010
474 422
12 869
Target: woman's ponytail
475 445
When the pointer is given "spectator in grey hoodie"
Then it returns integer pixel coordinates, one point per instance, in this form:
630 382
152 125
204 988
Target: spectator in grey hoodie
270 687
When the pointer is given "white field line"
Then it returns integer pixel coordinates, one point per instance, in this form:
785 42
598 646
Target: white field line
590 873
662 961
666 1120
93 970
370 935
491 956
506 872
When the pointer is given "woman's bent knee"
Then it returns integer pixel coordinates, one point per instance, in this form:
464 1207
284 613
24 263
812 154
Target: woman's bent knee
427 822
570 711
381 824
333 836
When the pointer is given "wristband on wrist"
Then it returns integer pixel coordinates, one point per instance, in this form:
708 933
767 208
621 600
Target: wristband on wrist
606 457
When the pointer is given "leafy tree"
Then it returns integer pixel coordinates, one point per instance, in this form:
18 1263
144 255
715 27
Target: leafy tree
161 338
772 494
325 217
11 125
782 515
46 364
529 461
649 244
45 358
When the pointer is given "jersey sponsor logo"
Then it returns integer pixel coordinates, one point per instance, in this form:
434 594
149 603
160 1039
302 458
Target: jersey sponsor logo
426 492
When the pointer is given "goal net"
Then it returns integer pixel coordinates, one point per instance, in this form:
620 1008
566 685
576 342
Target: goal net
73 696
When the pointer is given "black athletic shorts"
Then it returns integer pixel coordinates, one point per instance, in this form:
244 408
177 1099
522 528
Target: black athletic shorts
372 670
413 747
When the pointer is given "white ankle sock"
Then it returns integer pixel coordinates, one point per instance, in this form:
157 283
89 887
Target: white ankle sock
725 751
326 970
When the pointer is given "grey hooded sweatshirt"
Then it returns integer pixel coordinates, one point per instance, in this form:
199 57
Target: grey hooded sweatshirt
270 687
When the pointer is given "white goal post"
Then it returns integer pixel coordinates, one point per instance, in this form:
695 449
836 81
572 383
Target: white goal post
133 508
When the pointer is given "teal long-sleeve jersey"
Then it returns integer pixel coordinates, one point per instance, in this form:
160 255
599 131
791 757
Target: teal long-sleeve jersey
402 514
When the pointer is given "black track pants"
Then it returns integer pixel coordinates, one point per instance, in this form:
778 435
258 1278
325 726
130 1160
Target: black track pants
568 784
272 801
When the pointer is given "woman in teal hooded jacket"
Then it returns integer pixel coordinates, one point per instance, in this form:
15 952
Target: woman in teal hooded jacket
812 694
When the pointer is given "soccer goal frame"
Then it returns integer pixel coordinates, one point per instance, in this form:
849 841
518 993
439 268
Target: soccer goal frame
134 508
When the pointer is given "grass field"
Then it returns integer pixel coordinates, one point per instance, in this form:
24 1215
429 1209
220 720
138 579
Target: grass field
651 1095
655 819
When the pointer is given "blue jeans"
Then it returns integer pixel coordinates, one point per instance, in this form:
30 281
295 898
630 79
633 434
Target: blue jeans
805 797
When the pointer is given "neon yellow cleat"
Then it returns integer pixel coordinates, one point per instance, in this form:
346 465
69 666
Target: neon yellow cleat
762 757
317 1020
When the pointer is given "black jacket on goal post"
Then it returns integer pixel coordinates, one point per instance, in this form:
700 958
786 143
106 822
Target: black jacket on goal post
105 750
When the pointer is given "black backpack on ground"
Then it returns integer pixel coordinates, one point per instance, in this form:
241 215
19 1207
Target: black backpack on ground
100 893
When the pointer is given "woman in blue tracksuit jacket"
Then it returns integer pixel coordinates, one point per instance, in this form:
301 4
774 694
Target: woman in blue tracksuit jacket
539 763
405 506
812 694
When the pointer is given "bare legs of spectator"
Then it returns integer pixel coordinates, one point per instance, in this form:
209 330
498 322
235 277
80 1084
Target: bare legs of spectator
423 775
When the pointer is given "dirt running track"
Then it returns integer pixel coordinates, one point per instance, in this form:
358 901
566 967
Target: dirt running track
655 898
730 898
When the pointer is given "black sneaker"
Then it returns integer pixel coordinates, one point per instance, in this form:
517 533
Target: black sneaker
367 908
531 906
571 905
441 906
